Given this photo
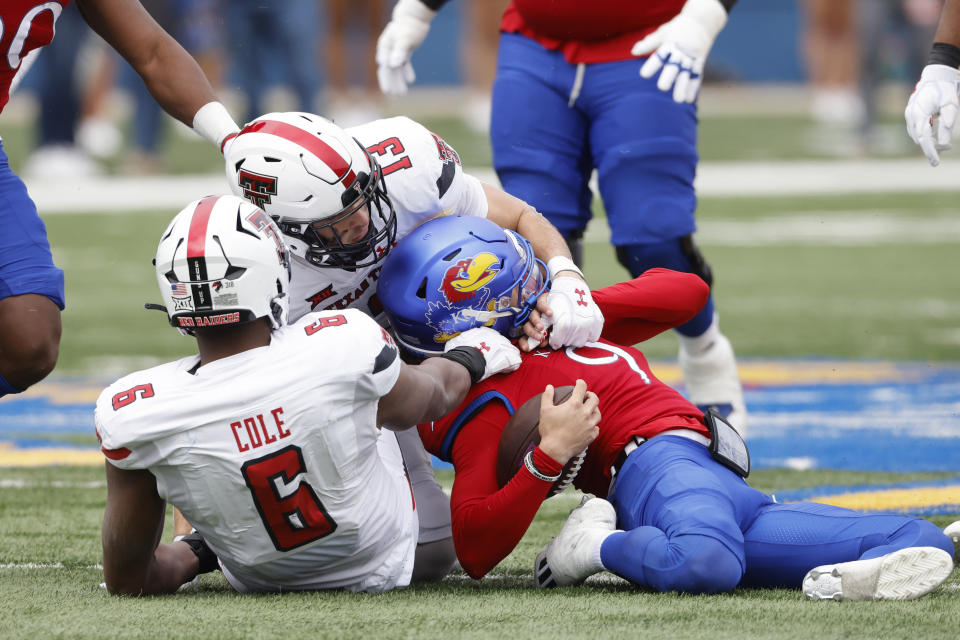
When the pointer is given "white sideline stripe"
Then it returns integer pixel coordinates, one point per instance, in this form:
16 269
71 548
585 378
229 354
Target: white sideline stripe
15 483
43 565
821 228
718 179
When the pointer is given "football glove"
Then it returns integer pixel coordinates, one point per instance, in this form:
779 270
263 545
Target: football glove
499 354
576 318
406 31
679 48
935 97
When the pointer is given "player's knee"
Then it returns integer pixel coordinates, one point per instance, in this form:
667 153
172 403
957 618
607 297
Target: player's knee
708 566
679 254
30 356
434 560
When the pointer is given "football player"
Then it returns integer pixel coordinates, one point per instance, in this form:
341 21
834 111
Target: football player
343 197
669 476
611 86
269 439
31 286
932 108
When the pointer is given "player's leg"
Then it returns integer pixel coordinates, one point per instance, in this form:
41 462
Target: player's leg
31 289
644 145
842 554
540 150
435 555
683 514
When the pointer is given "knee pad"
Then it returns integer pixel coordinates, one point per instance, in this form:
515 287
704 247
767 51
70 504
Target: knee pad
679 254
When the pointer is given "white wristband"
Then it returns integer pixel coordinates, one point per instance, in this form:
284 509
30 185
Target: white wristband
536 473
556 264
214 123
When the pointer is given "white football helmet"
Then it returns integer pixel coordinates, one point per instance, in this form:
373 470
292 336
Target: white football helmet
308 174
223 261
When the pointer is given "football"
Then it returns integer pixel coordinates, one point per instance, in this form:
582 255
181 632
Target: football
521 434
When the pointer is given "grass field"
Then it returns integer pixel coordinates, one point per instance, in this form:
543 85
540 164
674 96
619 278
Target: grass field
831 293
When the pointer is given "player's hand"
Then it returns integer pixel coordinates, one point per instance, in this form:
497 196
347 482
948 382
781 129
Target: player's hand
406 31
535 328
933 105
567 428
575 317
679 48
500 355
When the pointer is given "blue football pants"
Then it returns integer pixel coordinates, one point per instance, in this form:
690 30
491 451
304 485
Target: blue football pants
692 525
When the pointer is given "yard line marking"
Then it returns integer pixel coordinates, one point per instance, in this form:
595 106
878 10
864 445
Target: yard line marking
45 565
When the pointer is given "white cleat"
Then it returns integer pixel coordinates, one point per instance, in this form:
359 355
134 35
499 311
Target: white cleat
573 554
902 575
712 381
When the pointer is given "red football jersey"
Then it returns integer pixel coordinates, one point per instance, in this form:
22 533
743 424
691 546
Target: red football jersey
24 25
489 521
588 32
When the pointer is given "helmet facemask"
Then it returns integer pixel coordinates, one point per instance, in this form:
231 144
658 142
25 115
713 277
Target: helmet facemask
326 248
519 299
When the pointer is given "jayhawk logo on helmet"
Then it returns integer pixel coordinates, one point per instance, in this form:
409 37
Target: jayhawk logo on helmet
468 277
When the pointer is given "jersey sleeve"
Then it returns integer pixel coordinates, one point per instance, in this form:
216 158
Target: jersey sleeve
657 300
376 351
488 522
116 419
422 171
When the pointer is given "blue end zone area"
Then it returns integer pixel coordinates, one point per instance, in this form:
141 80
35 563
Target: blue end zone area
876 416
804 414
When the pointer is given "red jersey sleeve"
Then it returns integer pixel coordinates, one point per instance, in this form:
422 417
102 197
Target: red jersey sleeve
657 300
488 522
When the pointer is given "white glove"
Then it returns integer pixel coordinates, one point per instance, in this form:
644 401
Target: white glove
499 353
680 47
405 32
577 319
935 96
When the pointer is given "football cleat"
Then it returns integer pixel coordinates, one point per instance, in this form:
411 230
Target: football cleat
712 381
573 554
902 575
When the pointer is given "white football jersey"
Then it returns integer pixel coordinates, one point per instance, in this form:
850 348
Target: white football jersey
424 180
272 455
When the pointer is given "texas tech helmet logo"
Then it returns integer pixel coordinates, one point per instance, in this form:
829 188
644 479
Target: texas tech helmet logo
257 188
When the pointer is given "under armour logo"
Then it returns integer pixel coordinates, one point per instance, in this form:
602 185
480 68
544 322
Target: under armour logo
483 347
581 293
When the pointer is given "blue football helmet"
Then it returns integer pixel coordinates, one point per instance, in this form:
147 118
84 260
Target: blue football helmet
456 273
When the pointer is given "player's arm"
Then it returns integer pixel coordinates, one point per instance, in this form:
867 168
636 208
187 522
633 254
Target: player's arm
171 75
407 29
657 300
932 109
488 522
569 306
431 389
948 30
134 561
